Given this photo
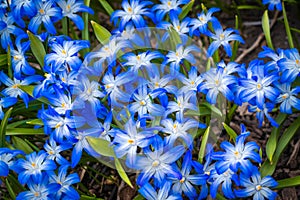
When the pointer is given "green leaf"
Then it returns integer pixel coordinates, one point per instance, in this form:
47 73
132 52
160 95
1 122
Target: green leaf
122 172
3 59
201 154
37 48
186 9
230 131
9 70
29 90
10 190
288 182
19 143
268 167
3 127
106 6
138 197
174 38
287 27
35 122
203 111
213 108
101 146
266 29
102 34
272 141
84 197
248 7
24 131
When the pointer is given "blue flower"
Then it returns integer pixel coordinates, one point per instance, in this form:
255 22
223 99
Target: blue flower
256 186
150 193
191 83
158 163
7 160
288 97
21 8
216 81
260 113
65 56
237 156
19 59
290 65
167 6
273 4
6 102
222 38
132 12
47 13
60 101
200 25
7 28
275 57
53 150
38 191
13 89
258 86
71 7
33 167
185 184
128 141
66 191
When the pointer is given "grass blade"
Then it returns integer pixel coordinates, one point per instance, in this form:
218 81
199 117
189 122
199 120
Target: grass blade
106 6
201 154
3 127
266 29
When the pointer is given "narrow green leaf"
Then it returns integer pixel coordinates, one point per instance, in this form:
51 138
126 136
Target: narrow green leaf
85 197
220 197
201 154
203 111
266 29
29 90
17 186
3 59
272 141
9 70
122 172
248 7
10 190
35 122
106 6
16 124
37 48
19 143
138 197
186 9
85 31
236 43
230 131
174 38
287 27
24 131
101 146
212 108
3 127
288 182
268 167
102 34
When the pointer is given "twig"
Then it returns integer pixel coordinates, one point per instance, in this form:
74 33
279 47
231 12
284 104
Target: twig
295 152
258 40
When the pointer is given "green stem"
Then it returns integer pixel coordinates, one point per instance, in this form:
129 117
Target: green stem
65 25
85 32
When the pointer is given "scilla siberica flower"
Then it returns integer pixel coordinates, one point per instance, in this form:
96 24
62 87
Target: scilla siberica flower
222 38
167 6
70 8
261 113
33 166
133 11
237 156
7 160
6 102
53 150
191 83
290 65
273 4
256 186
22 8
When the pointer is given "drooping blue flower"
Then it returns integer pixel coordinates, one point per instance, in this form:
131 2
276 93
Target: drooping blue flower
13 89
53 150
6 102
216 81
273 4
133 11
47 13
238 156
274 56
7 28
33 166
185 184
128 141
19 59
23 8
158 163
256 186
288 97
261 113
258 87
65 191
167 6
70 8
39 191
7 160
65 56
163 194
222 38
200 24
290 65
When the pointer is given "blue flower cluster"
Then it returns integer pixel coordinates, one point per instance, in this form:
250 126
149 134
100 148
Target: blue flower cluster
148 86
